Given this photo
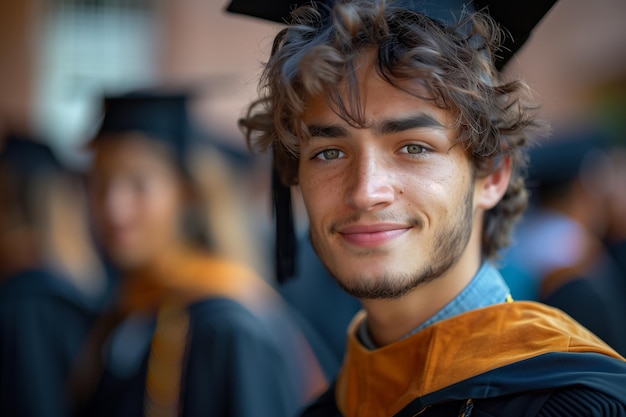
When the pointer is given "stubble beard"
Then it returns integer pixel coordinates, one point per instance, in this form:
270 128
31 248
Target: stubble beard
449 244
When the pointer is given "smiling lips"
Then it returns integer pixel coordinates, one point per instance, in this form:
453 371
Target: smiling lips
372 235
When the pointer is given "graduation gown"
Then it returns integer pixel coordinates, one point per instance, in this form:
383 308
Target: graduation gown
219 344
511 359
43 322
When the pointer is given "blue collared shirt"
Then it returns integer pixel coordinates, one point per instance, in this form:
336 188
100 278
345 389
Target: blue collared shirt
485 289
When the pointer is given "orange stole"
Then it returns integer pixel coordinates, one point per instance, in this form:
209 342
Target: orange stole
191 277
382 382
166 363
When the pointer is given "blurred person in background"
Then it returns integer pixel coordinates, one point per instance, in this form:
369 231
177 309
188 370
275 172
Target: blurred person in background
558 256
192 333
616 208
50 278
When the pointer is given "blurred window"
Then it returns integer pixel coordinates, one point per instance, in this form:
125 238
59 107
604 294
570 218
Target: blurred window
88 47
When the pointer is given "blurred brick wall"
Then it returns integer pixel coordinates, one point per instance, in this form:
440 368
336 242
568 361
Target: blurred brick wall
18 53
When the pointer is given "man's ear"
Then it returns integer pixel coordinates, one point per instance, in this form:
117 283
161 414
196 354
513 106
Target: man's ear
490 189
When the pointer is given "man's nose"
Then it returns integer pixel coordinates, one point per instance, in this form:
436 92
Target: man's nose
370 183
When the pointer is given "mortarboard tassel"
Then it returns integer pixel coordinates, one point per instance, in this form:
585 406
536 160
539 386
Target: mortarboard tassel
286 245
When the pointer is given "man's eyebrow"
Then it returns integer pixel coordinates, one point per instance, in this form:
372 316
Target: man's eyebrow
328 131
415 121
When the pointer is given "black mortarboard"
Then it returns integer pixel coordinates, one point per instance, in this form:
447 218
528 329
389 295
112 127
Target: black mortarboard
558 161
160 116
516 18
27 157
26 163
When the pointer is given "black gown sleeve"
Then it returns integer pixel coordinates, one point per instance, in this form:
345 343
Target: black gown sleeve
41 330
583 402
324 406
236 365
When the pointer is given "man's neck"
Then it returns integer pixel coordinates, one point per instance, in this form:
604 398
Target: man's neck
390 320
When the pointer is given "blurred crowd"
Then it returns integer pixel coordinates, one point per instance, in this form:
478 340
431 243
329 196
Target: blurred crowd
143 280
569 247
139 284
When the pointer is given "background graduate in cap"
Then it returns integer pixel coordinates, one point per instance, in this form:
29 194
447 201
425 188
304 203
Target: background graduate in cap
191 333
49 280
559 257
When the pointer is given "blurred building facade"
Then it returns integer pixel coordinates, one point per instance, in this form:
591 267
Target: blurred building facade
57 55
60 56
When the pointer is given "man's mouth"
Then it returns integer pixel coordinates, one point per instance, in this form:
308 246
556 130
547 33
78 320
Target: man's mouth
371 235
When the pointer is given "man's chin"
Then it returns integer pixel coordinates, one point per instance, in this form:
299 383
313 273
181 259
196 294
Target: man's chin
369 284
378 291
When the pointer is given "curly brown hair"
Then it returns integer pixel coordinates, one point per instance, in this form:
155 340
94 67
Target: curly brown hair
316 54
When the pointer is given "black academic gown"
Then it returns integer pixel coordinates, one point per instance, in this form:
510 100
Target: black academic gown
43 321
235 364
514 359
207 337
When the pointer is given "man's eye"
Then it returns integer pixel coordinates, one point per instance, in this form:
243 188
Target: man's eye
329 154
414 149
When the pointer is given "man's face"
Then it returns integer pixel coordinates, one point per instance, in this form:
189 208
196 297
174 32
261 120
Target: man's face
391 205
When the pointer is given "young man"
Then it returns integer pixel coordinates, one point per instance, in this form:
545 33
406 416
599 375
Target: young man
408 149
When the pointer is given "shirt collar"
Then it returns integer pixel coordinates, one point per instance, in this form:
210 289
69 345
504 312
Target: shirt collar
485 289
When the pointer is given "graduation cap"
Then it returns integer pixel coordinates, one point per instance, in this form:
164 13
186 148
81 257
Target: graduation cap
160 116
25 164
517 18
555 163
27 157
